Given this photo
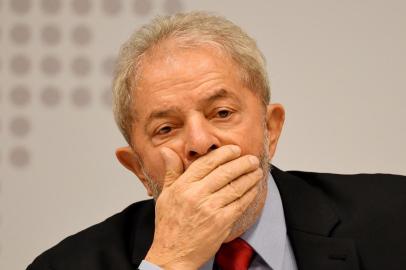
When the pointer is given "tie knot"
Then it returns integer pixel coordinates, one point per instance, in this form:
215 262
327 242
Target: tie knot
234 255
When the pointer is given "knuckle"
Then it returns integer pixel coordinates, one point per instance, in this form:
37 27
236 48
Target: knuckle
226 171
207 209
189 199
230 150
199 169
209 162
204 164
235 191
252 161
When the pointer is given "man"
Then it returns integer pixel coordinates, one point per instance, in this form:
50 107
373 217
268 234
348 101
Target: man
192 99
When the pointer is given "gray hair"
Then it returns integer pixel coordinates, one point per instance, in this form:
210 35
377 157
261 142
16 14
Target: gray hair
191 29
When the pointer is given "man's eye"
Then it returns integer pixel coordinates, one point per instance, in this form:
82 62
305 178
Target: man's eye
223 113
164 130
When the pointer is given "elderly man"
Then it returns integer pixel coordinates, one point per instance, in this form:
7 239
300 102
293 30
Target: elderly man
192 99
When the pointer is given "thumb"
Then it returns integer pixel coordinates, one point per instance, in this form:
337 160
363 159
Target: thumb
173 166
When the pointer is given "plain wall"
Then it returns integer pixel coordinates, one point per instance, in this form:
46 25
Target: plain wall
339 67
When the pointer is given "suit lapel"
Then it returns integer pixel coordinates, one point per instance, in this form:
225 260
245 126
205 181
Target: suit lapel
313 252
310 221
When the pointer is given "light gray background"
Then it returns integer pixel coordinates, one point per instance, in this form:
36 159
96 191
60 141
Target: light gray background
338 66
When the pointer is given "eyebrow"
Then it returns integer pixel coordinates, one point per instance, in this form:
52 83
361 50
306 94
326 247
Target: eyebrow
218 94
162 113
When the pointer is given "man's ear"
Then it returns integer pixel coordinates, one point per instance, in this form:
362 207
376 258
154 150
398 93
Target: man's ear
129 159
275 117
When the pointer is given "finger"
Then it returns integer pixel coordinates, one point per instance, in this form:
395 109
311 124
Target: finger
235 189
207 163
173 166
236 209
228 172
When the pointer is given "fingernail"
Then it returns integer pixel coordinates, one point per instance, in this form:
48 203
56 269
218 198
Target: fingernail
236 149
254 160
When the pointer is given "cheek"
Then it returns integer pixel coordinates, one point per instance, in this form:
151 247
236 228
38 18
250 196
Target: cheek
154 166
152 162
257 128
253 147
250 138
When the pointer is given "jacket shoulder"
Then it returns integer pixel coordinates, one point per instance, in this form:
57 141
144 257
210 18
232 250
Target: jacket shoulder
381 191
371 211
105 245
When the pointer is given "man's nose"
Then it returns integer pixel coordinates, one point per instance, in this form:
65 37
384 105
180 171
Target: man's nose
199 140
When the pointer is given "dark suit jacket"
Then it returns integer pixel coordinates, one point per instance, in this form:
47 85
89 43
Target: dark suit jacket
333 221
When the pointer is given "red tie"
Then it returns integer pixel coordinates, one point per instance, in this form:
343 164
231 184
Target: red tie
234 255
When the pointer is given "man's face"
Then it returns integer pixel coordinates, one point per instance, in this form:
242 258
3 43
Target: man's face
193 101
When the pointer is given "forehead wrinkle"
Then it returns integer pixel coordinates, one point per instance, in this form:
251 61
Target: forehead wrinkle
165 69
219 94
184 83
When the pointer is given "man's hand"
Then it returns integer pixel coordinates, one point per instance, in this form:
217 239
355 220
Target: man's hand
196 210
